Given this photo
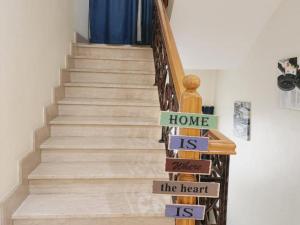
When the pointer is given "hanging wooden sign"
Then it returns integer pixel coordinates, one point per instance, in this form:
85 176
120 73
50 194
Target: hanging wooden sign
188 143
177 188
188 120
202 167
179 211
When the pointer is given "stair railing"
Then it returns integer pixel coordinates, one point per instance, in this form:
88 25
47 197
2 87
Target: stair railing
169 80
168 66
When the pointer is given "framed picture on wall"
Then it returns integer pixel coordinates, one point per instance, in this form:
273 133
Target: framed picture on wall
288 82
241 120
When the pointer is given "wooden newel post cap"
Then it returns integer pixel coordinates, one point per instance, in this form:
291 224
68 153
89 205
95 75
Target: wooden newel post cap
191 82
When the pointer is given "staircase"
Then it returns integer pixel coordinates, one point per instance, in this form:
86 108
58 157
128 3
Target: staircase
103 153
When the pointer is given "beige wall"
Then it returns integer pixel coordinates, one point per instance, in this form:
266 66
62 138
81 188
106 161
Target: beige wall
264 177
35 36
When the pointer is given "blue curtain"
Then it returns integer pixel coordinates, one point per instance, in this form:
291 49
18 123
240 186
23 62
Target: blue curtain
113 21
147 14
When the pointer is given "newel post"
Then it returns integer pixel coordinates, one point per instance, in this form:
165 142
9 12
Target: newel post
190 102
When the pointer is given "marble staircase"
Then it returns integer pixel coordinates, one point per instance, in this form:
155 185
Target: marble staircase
103 153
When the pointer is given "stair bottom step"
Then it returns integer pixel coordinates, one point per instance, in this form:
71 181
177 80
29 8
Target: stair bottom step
99 221
101 209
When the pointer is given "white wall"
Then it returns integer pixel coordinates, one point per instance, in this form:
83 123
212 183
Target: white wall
35 36
217 34
265 174
81 17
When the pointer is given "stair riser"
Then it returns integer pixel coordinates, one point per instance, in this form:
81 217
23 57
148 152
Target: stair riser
109 155
111 64
106 131
110 53
99 221
112 78
91 186
94 110
111 93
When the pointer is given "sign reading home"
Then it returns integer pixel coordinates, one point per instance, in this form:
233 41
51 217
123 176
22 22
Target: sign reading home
196 212
188 143
176 188
202 167
188 120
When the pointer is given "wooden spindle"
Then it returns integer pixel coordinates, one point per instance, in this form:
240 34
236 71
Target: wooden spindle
191 102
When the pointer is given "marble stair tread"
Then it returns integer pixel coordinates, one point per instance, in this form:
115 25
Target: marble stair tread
129 47
113 121
114 58
101 143
65 206
109 58
106 85
107 102
93 70
99 170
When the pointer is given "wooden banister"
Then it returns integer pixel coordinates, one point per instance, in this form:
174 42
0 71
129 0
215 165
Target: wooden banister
175 64
177 92
191 102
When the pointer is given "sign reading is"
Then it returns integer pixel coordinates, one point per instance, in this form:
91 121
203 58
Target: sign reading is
188 143
196 212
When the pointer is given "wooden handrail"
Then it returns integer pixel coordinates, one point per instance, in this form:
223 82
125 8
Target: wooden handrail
177 93
176 67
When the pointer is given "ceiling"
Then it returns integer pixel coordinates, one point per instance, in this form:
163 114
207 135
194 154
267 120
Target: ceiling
218 34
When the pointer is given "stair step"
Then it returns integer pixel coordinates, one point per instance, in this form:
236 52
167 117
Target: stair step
112 121
99 221
100 155
108 86
96 170
111 57
83 62
108 107
112 77
100 209
105 143
111 51
111 91
108 102
113 46
90 186
111 71
105 127
97 149
95 177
